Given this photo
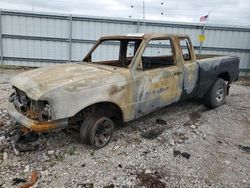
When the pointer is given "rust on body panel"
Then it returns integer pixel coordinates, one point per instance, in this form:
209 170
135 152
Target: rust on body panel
115 89
156 89
32 115
43 127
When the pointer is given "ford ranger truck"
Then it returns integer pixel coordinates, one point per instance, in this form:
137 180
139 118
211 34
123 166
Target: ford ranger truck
120 79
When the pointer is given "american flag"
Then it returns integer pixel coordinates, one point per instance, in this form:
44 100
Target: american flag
203 18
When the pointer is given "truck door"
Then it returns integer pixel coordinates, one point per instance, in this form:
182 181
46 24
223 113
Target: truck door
160 81
190 67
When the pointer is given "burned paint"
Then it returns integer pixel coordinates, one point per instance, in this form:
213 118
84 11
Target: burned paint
130 88
214 67
115 89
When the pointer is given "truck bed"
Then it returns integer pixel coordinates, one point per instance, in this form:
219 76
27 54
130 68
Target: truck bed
216 66
206 56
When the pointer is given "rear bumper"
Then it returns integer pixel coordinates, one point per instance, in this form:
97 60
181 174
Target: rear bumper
34 125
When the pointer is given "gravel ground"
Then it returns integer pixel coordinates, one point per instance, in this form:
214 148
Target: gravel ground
183 145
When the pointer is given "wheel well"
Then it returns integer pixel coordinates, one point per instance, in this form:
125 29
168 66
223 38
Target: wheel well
110 109
225 76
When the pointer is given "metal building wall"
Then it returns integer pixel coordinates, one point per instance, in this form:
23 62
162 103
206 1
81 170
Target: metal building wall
38 39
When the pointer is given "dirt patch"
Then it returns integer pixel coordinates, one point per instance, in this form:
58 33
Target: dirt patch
194 116
244 80
109 186
160 122
150 180
153 133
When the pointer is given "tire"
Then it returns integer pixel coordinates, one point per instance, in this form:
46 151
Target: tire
216 95
97 130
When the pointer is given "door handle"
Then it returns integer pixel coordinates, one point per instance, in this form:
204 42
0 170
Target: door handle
177 73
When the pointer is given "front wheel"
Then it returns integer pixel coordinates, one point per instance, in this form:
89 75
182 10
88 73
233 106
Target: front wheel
97 130
216 95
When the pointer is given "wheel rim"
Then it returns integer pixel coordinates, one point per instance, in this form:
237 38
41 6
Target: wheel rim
103 130
219 94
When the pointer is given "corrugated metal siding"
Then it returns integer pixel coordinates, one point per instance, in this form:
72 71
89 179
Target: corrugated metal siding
35 49
93 30
37 39
79 50
32 26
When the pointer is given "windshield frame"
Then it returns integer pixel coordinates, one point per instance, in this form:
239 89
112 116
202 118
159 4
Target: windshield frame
138 41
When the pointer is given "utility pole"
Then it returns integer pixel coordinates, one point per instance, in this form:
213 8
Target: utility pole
143 13
143 16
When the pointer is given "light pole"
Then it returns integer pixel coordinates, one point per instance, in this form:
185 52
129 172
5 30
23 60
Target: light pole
131 6
143 13
162 9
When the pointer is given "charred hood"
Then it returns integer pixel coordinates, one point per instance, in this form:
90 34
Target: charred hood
38 82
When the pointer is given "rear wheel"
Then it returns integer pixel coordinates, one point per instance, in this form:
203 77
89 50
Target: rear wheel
216 95
97 130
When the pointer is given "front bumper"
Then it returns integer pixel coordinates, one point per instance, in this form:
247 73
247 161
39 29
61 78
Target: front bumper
34 125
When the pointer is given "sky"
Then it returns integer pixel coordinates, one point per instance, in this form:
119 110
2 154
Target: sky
223 12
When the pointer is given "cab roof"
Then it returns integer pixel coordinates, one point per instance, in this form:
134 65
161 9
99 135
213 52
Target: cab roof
141 36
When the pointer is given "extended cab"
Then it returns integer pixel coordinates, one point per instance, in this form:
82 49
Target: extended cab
120 79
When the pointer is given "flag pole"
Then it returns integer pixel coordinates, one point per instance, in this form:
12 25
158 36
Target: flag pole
203 31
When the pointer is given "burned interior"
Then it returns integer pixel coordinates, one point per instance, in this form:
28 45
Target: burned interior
159 52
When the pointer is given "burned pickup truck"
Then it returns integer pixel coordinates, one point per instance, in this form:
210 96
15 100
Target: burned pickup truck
120 79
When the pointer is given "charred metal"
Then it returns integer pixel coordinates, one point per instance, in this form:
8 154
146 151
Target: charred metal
122 89
36 110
